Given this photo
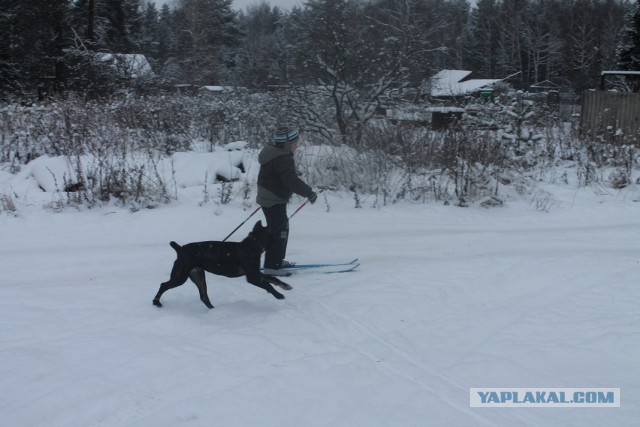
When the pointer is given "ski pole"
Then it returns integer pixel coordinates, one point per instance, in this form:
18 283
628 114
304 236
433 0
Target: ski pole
242 223
302 205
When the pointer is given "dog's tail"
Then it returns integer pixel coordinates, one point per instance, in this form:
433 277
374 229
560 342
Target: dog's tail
175 246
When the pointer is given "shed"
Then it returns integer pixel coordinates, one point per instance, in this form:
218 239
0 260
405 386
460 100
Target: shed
613 114
544 86
444 117
622 73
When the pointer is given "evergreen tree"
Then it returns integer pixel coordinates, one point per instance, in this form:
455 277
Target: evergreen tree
511 55
256 61
452 20
205 27
630 48
167 57
34 34
540 42
482 45
10 39
108 25
349 46
614 19
148 39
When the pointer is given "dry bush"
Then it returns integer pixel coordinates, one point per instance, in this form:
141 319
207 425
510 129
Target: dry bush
127 138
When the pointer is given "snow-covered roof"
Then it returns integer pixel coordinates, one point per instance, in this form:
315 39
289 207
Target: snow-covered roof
621 73
213 88
449 83
128 65
445 110
219 89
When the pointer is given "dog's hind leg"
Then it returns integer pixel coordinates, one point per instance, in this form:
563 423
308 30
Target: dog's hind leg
197 277
179 275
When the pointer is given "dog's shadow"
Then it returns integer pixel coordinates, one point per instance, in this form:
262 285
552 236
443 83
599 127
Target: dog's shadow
230 303
249 308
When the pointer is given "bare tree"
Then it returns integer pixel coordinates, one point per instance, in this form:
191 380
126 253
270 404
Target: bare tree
511 54
541 42
483 39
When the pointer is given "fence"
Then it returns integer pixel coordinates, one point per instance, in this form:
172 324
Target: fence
612 115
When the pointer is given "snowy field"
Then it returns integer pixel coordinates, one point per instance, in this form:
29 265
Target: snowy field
446 299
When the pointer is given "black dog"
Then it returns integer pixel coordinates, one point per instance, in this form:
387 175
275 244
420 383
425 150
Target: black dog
230 259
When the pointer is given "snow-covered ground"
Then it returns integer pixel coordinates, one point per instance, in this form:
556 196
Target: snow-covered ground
446 299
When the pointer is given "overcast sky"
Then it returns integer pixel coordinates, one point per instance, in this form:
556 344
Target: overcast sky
242 4
284 4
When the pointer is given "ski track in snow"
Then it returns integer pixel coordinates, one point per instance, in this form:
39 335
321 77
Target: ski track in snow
445 299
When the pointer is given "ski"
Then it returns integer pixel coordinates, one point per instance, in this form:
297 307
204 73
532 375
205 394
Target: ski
327 268
330 269
337 264
344 270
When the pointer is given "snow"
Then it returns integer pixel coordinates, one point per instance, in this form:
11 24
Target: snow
191 167
45 174
445 299
43 179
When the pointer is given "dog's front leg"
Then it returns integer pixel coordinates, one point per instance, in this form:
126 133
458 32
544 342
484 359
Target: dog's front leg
276 281
256 279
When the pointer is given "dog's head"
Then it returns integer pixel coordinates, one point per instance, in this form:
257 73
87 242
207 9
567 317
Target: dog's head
260 234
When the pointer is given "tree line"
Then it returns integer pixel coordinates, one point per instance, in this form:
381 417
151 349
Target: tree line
354 48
